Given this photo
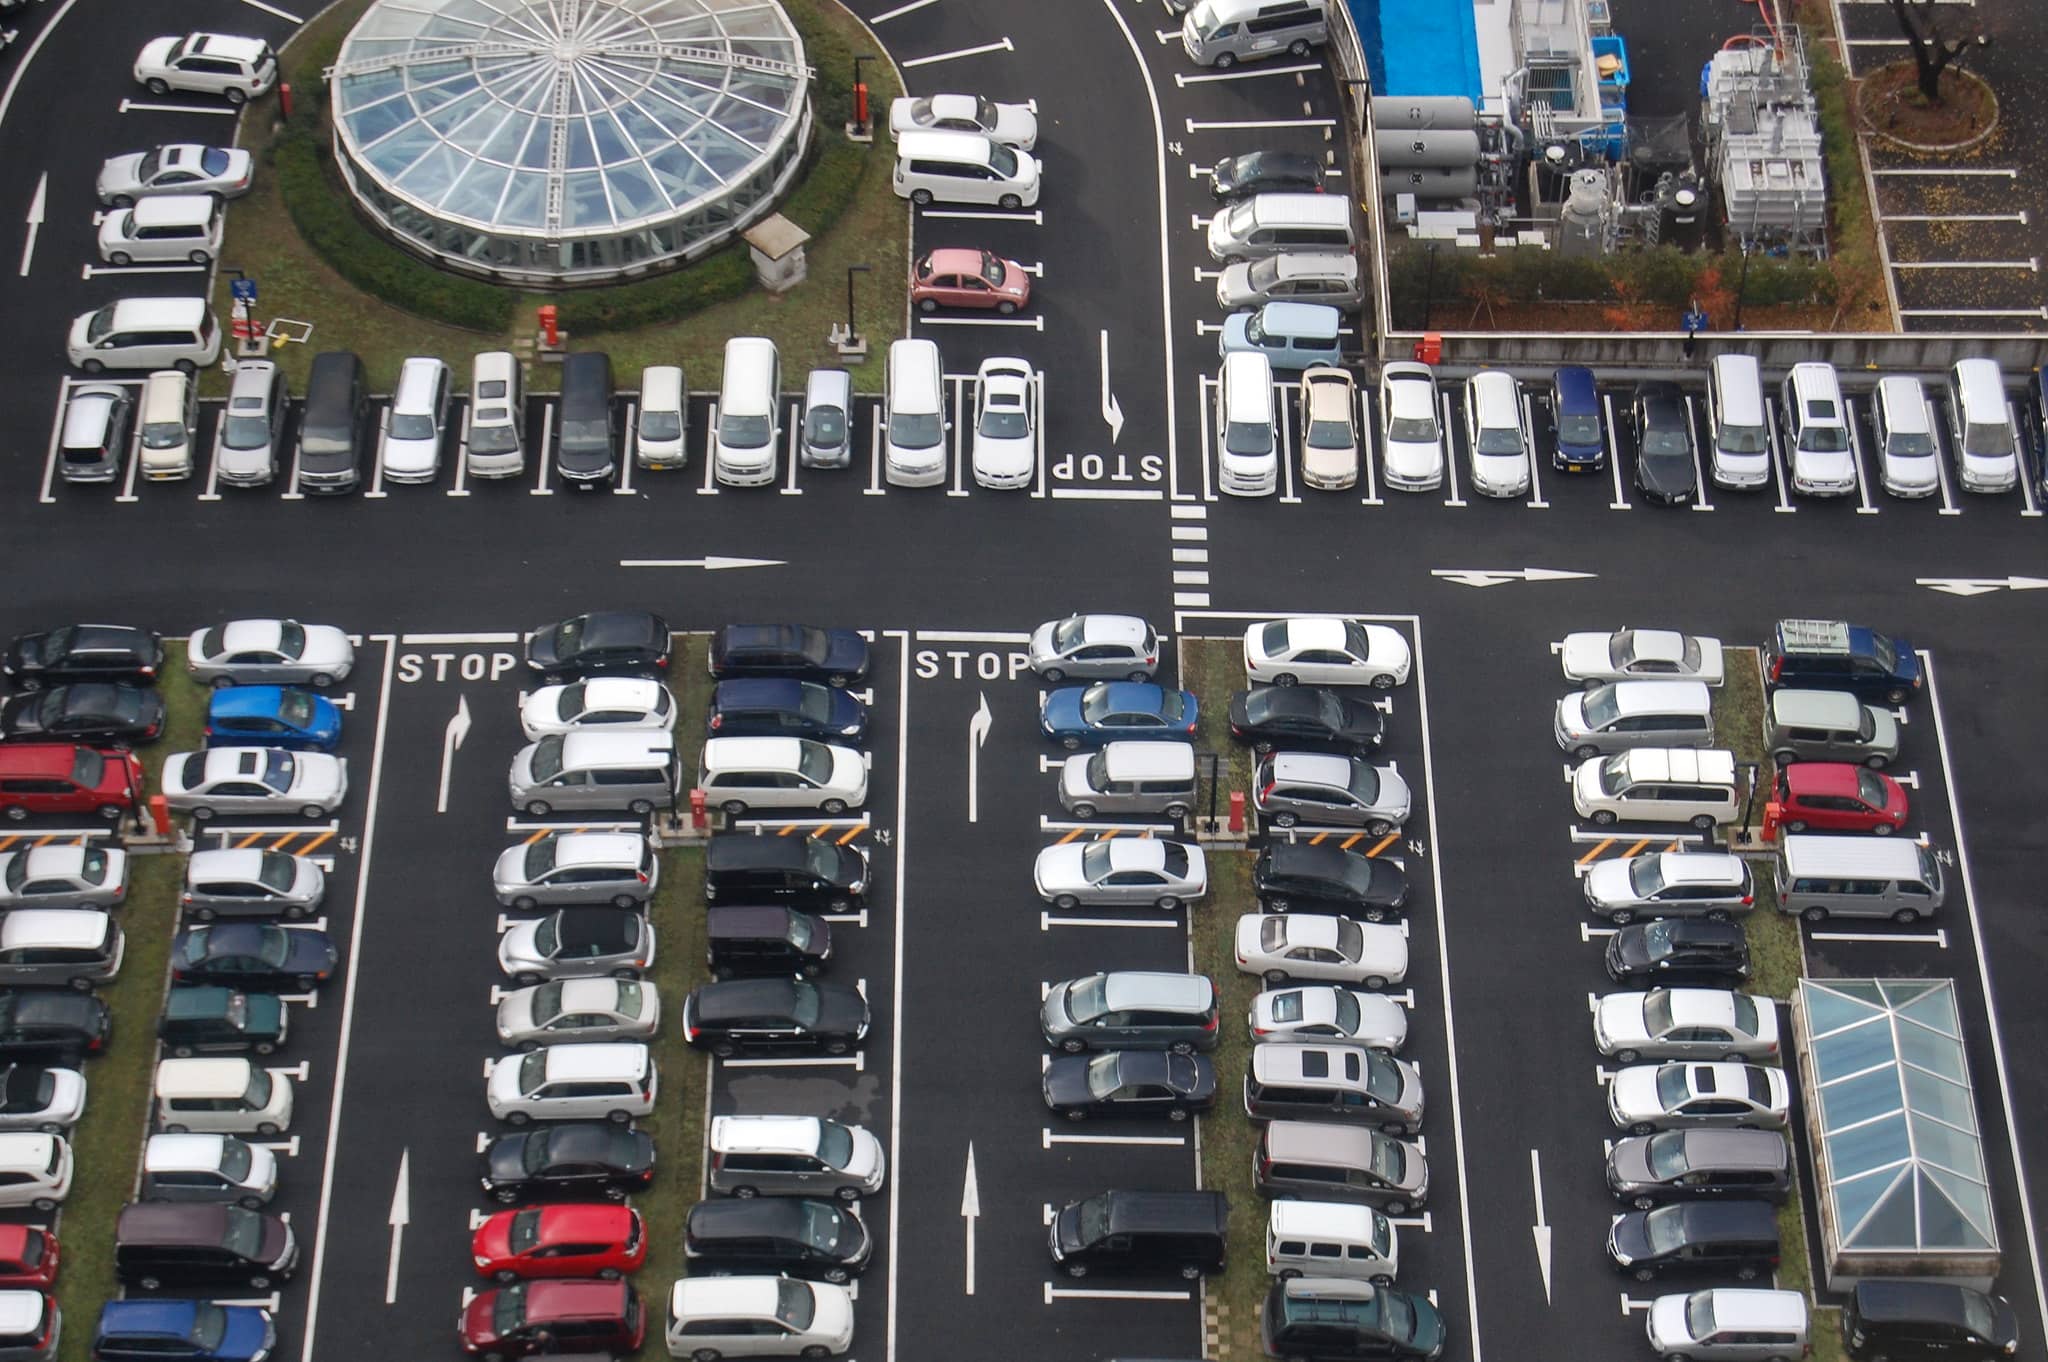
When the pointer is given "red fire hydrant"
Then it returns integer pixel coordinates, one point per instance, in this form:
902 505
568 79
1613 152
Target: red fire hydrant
549 335
1237 810
284 97
698 805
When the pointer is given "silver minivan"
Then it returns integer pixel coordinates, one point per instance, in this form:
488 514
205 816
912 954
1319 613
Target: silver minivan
1130 778
1221 33
1618 715
914 420
252 431
1310 278
661 429
1273 224
1830 725
93 443
1820 877
496 447
1736 423
1729 1324
1340 1163
56 946
636 772
1980 425
793 1156
1908 459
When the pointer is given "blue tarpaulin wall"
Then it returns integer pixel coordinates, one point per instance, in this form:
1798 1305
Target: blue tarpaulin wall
1419 47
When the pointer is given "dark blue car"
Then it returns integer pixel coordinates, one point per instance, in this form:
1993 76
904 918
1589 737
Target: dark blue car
272 716
775 707
799 652
1575 404
183 1331
1088 716
253 955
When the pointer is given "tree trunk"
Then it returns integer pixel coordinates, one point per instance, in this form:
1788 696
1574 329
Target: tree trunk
1930 54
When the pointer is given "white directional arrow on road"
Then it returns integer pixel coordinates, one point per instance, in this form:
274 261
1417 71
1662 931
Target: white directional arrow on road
1494 577
708 564
977 734
970 1211
458 729
1112 410
1542 1226
401 1216
35 223
1978 586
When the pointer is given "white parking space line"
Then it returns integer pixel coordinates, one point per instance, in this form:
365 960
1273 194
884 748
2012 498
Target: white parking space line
1366 455
377 460
1195 126
461 487
1003 45
710 484
1953 171
1202 410
1038 431
1771 432
1620 502
2019 217
541 453
133 462
900 11
212 492
874 487
1936 939
1450 454
1185 80
137 106
1030 215
1034 323
790 489
1282 392
1047 1139
1046 922
1695 425
1097 1293
2028 312
95 271
284 14
628 456
2026 482
1856 458
2032 264
958 383
1536 501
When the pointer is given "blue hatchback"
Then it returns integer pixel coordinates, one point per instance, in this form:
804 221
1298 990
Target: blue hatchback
1575 404
183 1331
272 716
1087 716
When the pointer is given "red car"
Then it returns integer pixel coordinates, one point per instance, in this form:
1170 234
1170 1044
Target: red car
1839 796
54 777
958 276
554 1317
568 1240
28 1257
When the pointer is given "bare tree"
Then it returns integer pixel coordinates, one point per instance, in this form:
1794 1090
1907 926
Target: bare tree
1931 53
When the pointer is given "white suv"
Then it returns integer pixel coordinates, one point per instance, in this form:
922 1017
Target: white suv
1818 432
208 63
755 1316
783 773
614 1080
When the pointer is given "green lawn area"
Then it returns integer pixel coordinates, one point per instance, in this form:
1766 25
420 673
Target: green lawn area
1212 668
678 1120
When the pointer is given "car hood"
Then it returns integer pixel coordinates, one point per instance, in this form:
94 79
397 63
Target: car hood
247 1334
1632 1092
411 456
541 648
849 721
847 652
1501 470
1066 1080
1052 1013
1394 797
1884 729
1429 1326
1607 882
842 1010
1063 709
1630 1237
833 1316
1912 470
1040 648
1415 458
504 1159
1059 867
516 948
1630 1162
1669 474
1666 1326
1329 463
1234 285
1232 337
26 652
120 174
1384 950
1629 950
156 51
476 1319
326 647
510 871
310 953
1571 715
515 1015
849 770
1619 1019
493 1239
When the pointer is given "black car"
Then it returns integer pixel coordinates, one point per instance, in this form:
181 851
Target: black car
52 1023
1667 470
1678 949
85 711
1327 878
775 1014
836 657
800 1236
1737 1238
253 955
805 872
84 652
577 1159
777 707
213 1019
765 939
602 643
1265 172
1305 718
1130 1083
1939 1321
1315 1318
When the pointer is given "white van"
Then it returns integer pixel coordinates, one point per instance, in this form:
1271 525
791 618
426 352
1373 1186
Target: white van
1822 877
1130 778
1726 1324
661 430
782 773
1331 1239
1817 431
1496 435
173 227
1222 33
417 421
749 413
1247 443
497 417
964 167
1907 457
1658 785
1270 224
1736 423
170 410
145 333
914 423
1980 424
224 1096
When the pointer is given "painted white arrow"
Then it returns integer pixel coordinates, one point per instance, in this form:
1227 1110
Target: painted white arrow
977 734
1978 586
708 564
1542 1227
1112 410
401 1216
458 729
35 223
1494 577
970 1211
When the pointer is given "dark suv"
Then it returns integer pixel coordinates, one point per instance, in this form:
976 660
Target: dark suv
804 872
1897 1319
1832 655
84 652
169 1242
1327 878
214 1019
1339 1319
1739 1238
765 939
1119 1231
833 657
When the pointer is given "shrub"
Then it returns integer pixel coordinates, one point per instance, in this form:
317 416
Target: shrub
721 276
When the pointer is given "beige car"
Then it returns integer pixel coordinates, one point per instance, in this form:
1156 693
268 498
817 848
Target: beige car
1329 429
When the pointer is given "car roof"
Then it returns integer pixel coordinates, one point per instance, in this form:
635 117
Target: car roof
1319 1140
20 1311
599 848
618 690
746 1217
1754 1308
732 999
74 928
63 858
416 378
724 1297
945 144
164 1152
1576 390
237 635
740 850
1818 708
1167 1211
25 1149
752 754
1313 768
608 928
592 993
1316 632
1114 628
225 1075
828 385
609 1060
1878 1298
1411 390
1709 765
1140 988
1726 1219
1822 777
42 758
245 701
608 628
253 381
786 1134
87 414
1302 265
1311 858
1319 930
159 1222
747 922
1700 867
551 1298
1663 697
1314 321
594 746
1904 399
1709 1147
231 45
758 692
955 259
148 1315
1698 1006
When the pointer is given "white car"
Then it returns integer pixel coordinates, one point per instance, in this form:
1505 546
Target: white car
612 702
1325 652
1641 655
1645 1098
1005 438
35 1171
175 168
1329 429
64 876
758 1316
567 867
1321 1012
207 63
1411 435
1685 1023
1283 947
35 1098
782 773
579 1012
269 652
1903 431
1155 871
614 1081
1497 437
1094 648
239 780
417 422
1013 125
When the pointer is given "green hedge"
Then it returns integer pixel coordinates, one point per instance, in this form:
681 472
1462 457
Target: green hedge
1665 276
717 278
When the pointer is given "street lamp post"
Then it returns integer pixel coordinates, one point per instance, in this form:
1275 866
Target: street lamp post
849 341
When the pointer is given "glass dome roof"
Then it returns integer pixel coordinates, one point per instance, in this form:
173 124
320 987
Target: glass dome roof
559 119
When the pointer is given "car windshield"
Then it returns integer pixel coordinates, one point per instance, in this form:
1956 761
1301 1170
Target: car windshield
795 1304
1741 440
1672 1087
1329 435
257 1095
547 758
824 425
1699 1314
1243 216
742 432
628 998
1095 861
1348 1012
814 760
248 430
1834 439
1498 440
164 434
412 426
1003 160
295 707
814 703
915 430
1746 1020
993 269
547 1003
525 1231
1382 1076
1665 1155
1657 940
533 1071
508 1312
1665 1229
1247 437
1661 441
1365 782
822 859
1657 1011
1350 939
243 1233
1397 1316
547 935
1264 273
596 433
1104 1075
570 706
277 871
1602 709
214 160
1412 429
151 163
277 769
1987 439
805 1006
1389 1160
1068 633
801 934
661 425
1908 444
1578 428
1614 773
495 438
835 1144
276 946
1088 998
102 322
1093 1218
1881 649
540 858
1006 422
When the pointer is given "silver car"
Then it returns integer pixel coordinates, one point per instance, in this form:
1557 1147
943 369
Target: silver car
252 430
1316 788
1153 871
1644 1098
579 1011
251 882
273 652
1710 884
1094 647
614 702
175 168
241 780
1283 947
64 877
1321 1012
619 868
578 943
1685 1023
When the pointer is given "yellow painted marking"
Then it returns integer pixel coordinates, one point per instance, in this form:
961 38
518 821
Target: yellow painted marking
1636 849
322 840
1675 846
852 833
7 842
1597 850
1384 843
1070 837
281 843
538 834
1318 839
250 840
